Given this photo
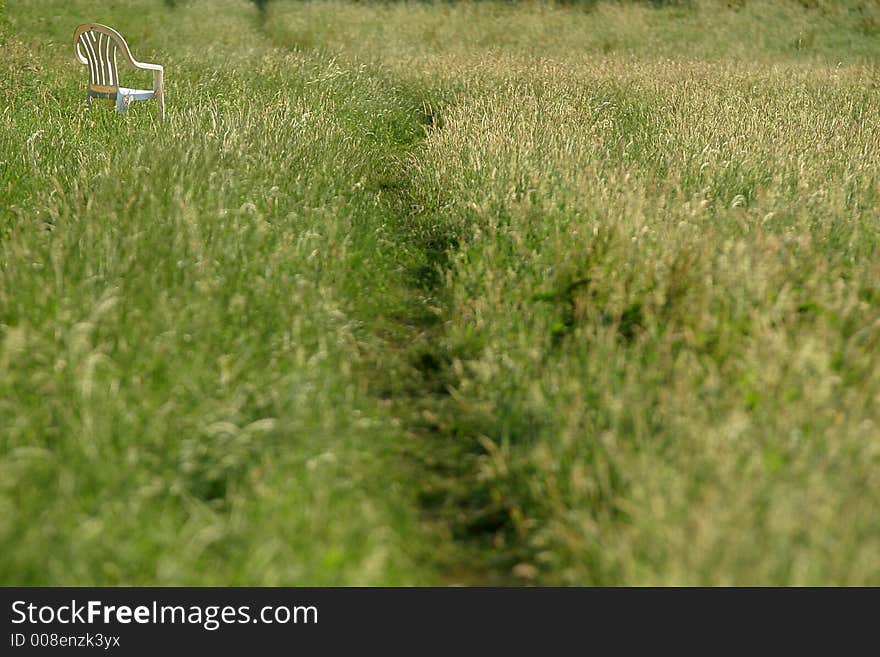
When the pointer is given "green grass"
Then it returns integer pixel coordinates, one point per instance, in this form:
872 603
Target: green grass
437 293
187 314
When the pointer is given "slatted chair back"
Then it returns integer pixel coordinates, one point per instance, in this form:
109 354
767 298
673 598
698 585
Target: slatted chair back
97 46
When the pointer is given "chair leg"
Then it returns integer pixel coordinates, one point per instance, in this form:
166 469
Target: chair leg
160 99
120 103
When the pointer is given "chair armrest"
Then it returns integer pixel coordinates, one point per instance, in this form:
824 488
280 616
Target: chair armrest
148 67
158 73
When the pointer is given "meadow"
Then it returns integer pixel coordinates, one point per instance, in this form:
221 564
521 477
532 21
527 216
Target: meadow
443 293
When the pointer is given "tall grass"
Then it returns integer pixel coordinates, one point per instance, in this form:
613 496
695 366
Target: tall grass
664 324
185 313
417 293
662 329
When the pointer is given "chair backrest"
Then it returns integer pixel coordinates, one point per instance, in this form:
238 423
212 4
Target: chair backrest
97 46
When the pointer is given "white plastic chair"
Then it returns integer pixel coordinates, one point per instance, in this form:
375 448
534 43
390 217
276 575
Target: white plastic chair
96 46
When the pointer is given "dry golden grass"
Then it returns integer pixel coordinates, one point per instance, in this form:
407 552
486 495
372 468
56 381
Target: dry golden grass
663 324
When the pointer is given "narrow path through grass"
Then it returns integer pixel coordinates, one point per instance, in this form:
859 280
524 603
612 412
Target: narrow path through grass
418 380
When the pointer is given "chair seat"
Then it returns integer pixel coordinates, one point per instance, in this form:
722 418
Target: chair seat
137 94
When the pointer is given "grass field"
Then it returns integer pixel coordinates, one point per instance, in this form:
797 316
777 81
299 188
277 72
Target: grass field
453 293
